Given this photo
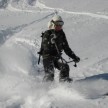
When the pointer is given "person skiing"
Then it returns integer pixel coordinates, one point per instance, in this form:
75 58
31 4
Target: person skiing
53 43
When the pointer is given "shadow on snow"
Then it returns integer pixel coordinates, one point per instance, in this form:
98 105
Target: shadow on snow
103 76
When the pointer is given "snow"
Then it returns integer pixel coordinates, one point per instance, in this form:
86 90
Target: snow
21 78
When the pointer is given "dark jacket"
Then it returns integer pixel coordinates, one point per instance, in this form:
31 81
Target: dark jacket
48 48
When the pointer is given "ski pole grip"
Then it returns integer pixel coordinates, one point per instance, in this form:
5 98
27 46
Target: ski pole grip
75 65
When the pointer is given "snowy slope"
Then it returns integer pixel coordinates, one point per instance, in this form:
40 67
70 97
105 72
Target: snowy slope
17 3
79 5
21 83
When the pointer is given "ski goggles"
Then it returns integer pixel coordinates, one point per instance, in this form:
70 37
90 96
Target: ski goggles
58 23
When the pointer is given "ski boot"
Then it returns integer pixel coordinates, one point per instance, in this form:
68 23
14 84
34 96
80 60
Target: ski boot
66 80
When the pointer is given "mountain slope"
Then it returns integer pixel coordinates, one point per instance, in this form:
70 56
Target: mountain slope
21 78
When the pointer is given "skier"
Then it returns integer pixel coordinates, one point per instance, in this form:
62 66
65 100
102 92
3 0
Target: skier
53 43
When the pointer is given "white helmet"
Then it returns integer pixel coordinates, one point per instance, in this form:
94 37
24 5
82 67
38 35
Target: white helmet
57 18
50 25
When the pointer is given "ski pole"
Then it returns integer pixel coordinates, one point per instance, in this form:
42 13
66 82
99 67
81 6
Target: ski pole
39 59
40 49
58 51
70 61
75 65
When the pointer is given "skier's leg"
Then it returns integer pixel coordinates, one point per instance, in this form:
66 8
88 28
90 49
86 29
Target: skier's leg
49 69
64 71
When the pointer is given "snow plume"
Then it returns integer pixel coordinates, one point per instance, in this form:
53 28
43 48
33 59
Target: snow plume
32 2
21 78
4 3
23 3
13 56
20 4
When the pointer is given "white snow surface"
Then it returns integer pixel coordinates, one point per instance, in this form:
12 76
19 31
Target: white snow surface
21 78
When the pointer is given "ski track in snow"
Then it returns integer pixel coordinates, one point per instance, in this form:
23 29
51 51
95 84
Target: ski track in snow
54 11
9 32
43 6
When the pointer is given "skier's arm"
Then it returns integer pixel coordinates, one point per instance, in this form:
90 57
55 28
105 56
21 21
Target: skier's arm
67 49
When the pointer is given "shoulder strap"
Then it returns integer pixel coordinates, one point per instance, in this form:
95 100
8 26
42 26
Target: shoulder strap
44 35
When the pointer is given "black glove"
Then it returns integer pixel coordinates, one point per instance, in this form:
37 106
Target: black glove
75 58
40 52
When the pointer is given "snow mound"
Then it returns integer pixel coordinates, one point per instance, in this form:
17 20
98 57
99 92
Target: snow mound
70 93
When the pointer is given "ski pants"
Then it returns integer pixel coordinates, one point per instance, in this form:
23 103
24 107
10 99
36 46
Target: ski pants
51 63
